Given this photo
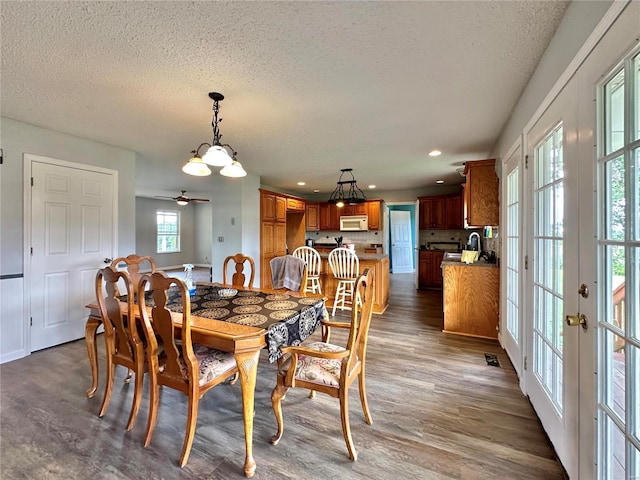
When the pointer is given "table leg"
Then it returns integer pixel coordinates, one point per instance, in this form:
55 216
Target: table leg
248 369
92 349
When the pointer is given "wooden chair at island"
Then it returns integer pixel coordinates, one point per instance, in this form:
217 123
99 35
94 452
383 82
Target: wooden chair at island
124 344
329 368
238 278
189 368
311 258
345 267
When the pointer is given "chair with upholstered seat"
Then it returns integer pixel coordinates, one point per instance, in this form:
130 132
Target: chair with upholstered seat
189 368
345 267
330 368
124 345
311 258
238 279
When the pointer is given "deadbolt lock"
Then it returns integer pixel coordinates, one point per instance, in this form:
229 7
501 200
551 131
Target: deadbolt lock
584 291
574 320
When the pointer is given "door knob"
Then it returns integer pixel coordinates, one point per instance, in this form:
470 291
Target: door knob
584 291
574 320
108 260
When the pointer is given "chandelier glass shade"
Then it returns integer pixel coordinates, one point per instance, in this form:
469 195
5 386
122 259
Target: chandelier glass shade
347 191
218 154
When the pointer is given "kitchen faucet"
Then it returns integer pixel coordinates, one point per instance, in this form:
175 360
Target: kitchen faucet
478 244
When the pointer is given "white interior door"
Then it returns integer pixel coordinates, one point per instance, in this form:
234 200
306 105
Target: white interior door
72 232
401 243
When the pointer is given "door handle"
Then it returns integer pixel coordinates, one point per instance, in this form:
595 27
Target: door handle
108 260
574 320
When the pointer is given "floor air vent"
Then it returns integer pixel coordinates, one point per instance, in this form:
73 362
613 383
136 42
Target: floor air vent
492 360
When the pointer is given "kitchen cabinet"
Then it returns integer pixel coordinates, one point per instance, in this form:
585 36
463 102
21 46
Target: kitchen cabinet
296 205
282 225
357 209
471 299
329 217
432 215
481 203
374 211
429 269
454 215
442 212
313 217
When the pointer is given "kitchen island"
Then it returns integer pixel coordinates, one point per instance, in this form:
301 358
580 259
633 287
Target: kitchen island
376 262
471 297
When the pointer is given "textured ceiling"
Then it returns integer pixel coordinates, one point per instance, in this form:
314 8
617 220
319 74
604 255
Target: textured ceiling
310 87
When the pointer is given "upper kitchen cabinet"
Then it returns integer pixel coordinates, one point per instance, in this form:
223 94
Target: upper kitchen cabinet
432 214
454 212
329 217
295 205
374 211
357 209
273 207
313 217
481 204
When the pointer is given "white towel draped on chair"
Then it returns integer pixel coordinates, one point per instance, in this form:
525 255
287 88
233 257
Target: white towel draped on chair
287 272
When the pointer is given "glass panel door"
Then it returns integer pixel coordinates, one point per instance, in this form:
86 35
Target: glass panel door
619 278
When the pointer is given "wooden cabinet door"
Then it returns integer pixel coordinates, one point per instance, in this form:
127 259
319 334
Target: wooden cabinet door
454 217
424 267
482 193
373 211
432 214
436 269
360 209
280 239
329 217
280 209
267 207
312 217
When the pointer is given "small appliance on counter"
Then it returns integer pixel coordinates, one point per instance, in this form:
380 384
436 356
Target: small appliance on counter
310 242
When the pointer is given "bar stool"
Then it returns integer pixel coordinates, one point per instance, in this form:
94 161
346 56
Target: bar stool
345 266
311 257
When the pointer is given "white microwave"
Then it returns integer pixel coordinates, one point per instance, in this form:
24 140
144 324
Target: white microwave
354 223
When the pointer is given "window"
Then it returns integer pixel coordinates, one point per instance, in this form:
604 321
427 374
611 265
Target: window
168 232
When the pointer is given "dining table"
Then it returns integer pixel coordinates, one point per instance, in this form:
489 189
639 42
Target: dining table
240 320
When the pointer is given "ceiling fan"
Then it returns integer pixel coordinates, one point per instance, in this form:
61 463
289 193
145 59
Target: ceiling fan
182 199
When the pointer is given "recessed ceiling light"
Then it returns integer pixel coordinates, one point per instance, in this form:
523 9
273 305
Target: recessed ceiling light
316 191
439 181
301 184
434 153
372 187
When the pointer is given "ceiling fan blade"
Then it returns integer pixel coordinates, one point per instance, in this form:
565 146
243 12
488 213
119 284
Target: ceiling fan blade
198 199
169 198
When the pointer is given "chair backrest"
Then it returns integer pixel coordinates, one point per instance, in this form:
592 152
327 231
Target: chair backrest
288 272
311 257
344 263
133 263
163 328
124 332
238 278
360 319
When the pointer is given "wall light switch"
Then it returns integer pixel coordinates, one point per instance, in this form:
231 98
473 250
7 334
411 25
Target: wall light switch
233 221
221 239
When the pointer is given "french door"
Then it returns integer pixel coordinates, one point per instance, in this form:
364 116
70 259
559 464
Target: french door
557 266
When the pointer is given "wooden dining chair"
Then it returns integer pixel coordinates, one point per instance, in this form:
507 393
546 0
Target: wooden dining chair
311 258
184 366
288 273
330 368
345 267
123 343
133 264
238 279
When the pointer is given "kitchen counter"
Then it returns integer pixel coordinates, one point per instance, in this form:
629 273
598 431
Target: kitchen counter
454 259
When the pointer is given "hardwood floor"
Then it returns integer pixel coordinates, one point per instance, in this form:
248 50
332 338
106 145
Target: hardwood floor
439 412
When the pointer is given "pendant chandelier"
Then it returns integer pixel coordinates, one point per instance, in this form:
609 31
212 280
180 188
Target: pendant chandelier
218 155
353 193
